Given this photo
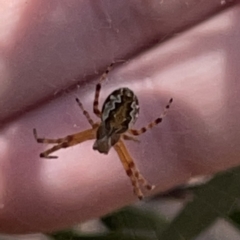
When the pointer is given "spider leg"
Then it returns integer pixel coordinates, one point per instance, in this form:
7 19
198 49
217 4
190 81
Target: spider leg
138 175
152 124
98 89
131 169
68 141
51 150
47 140
143 181
136 189
85 113
132 138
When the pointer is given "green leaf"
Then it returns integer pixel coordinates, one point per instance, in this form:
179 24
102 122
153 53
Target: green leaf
213 200
134 219
70 235
234 218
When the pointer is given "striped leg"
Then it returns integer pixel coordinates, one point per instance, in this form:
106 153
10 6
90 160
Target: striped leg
152 124
45 140
125 157
132 138
67 141
143 181
97 91
131 169
85 113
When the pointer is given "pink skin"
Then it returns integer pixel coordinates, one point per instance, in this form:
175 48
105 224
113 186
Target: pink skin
52 45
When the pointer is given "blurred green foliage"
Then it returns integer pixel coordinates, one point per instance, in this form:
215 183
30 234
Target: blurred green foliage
216 199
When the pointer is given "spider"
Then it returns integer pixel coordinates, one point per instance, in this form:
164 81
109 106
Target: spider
119 112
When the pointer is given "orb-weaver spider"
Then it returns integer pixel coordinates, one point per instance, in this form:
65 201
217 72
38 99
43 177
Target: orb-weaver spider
119 112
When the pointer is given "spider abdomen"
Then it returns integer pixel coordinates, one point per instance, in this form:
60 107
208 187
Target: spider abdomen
120 110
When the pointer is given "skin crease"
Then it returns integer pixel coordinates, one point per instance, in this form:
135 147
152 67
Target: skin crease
199 135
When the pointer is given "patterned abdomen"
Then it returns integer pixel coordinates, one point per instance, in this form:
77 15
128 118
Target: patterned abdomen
120 111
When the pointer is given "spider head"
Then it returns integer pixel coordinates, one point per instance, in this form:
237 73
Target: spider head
105 139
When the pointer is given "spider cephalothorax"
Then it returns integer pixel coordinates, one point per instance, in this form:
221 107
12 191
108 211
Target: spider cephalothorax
119 112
